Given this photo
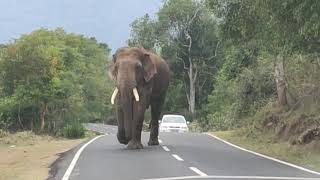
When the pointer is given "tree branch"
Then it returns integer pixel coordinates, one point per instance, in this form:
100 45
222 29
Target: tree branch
185 90
193 17
184 64
194 78
204 82
215 51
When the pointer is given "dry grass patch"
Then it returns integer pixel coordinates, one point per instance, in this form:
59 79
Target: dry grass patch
26 156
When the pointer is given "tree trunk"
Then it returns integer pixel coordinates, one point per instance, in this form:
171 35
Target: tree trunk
192 91
192 77
280 81
43 111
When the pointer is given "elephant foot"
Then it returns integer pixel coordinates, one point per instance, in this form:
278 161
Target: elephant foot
134 145
122 139
154 142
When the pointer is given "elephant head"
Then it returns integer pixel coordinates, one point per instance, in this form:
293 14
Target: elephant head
132 69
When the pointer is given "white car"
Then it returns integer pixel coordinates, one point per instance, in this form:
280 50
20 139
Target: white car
173 123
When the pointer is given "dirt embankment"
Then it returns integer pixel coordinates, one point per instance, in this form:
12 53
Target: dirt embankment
300 130
26 156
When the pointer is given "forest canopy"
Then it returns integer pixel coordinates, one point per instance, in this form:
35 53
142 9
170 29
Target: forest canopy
50 78
234 64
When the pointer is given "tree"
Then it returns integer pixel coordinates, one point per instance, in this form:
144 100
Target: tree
278 27
191 31
143 33
51 78
185 33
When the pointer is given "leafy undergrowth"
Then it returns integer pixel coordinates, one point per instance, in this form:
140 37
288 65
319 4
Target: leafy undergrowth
27 156
307 155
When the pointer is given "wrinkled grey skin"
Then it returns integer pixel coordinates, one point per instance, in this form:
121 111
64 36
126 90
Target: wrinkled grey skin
135 67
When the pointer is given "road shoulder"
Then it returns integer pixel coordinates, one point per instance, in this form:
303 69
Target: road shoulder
27 156
280 150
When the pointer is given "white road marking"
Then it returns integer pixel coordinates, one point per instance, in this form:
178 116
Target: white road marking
76 157
160 141
196 170
177 157
166 148
234 177
267 157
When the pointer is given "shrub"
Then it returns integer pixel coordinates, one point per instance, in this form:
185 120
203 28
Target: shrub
73 130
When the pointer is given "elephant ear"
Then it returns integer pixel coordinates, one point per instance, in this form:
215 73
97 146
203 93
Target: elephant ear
149 67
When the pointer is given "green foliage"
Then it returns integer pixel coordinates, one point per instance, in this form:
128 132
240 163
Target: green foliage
166 35
239 94
54 73
234 45
73 130
143 33
256 32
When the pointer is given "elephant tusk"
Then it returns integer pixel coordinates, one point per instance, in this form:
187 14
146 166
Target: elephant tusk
135 94
113 97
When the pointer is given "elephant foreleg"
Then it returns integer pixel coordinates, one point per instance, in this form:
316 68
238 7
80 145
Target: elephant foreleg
121 131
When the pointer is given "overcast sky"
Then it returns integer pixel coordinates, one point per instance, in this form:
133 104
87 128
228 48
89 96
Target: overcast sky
107 20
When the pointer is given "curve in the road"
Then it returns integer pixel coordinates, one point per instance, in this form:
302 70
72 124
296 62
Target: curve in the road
198 151
76 157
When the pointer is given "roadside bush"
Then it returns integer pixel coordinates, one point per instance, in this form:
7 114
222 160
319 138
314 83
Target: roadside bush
3 133
73 130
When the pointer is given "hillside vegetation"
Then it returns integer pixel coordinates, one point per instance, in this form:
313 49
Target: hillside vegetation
51 79
253 65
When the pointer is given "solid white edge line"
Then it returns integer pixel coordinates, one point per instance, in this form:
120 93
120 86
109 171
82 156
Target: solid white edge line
177 157
196 170
265 156
234 177
76 157
166 148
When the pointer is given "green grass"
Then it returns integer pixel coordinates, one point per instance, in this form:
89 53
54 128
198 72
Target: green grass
73 130
304 155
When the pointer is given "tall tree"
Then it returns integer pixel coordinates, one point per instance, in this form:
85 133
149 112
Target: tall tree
278 27
185 33
191 32
143 33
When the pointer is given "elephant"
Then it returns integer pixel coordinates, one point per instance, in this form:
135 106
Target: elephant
142 80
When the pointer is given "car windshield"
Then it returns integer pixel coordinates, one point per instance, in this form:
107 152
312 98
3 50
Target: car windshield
173 119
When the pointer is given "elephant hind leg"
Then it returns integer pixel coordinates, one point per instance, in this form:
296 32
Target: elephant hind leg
156 108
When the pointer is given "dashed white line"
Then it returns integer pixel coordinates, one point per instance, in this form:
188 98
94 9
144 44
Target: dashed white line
166 148
177 157
196 170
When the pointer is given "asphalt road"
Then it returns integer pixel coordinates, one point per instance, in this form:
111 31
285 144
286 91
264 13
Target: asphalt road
180 156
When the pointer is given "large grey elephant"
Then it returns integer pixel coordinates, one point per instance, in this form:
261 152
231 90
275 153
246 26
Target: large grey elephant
142 80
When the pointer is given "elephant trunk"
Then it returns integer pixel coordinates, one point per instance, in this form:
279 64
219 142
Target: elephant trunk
127 107
126 92
128 95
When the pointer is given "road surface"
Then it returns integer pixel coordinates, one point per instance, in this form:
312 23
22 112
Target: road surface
180 156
